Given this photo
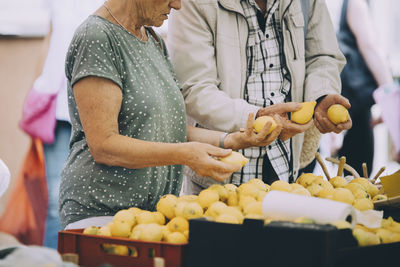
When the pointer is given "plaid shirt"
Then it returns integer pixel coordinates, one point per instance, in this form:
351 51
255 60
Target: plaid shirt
268 83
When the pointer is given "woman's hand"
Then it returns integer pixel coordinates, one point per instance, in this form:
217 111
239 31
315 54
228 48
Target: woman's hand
204 160
249 138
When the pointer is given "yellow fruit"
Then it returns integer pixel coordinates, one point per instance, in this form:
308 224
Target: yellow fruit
295 186
379 197
235 158
227 218
326 193
314 189
301 191
151 232
365 238
343 195
186 234
178 224
192 210
259 184
306 179
187 198
135 211
281 186
341 224
179 208
304 220
146 217
136 231
248 190
338 182
166 205
246 200
222 191
104 231
338 114
260 123
253 208
261 195
324 184
359 194
120 250
165 231
362 181
384 235
90 230
395 237
125 216
305 113
207 197
373 190
216 209
363 204
353 187
176 238
235 212
230 187
120 229
159 218
233 199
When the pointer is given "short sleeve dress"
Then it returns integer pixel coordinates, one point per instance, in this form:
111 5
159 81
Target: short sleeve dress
152 109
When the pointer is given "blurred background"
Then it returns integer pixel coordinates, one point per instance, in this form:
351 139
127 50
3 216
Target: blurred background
24 25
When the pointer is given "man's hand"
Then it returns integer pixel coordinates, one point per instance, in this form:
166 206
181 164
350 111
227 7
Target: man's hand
321 120
281 109
290 128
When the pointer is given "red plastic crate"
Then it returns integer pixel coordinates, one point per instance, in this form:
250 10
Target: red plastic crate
91 254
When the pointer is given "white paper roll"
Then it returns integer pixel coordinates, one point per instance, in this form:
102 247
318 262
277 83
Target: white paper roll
280 205
4 177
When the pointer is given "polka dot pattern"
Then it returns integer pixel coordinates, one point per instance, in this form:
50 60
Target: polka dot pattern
152 109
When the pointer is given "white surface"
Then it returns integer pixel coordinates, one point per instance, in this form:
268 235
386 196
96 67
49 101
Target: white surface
285 206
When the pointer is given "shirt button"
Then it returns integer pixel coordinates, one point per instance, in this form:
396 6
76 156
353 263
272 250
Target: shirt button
269 147
272 93
271 65
267 35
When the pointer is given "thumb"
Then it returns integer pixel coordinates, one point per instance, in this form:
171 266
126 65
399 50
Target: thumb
287 107
343 101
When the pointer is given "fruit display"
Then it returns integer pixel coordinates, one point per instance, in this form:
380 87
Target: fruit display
305 113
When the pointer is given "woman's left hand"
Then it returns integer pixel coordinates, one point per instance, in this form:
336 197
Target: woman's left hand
250 138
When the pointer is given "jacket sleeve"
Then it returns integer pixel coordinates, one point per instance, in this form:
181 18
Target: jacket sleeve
193 55
323 59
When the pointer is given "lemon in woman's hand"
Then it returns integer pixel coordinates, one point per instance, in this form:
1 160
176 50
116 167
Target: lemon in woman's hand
260 123
235 158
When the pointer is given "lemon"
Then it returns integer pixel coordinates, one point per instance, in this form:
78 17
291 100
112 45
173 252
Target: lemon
230 187
120 250
187 198
216 209
90 230
235 212
385 235
379 197
326 193
305 113
301 191
207 197
281 186
235 158
178 224
338 181
179 208
260 123
159 218
176 238
306 179
253 208
166 205
365 238
341 224
314 189
343 195
125 216
246 200
151 232
192 210
120 229
146 217
104 231
363 204
261 195
222 191
248 190
338 114
233 199
227 218
259 183
324 184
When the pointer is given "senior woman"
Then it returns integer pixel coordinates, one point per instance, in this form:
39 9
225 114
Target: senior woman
129 135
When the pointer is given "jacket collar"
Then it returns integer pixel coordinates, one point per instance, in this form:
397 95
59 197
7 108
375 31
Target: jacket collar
234 5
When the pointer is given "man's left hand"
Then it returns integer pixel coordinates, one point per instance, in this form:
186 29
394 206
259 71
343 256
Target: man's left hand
321 120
